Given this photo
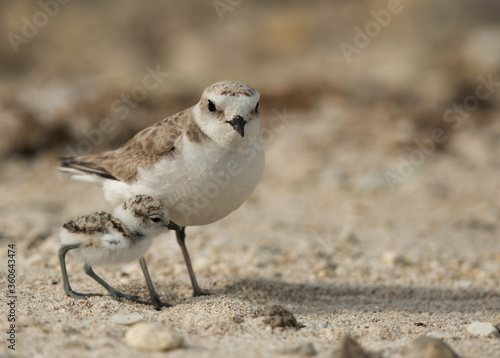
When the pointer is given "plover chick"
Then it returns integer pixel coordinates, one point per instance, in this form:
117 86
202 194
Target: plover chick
201 163
103 239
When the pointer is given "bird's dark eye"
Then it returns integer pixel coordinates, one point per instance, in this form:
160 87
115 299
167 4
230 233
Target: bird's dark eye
155 219
211 106
257 107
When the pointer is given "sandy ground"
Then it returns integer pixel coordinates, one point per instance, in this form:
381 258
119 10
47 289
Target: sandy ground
323 235
377 214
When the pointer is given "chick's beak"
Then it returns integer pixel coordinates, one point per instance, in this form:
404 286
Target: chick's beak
238 124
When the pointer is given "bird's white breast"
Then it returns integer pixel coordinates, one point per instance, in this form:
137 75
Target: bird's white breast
204 182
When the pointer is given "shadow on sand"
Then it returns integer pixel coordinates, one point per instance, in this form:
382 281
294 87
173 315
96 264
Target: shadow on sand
314 297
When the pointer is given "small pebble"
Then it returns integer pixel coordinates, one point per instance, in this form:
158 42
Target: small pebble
277 316
325 269
428 347
152 337
238 318
484 329
127 319
348 235
301 349
392 258
442 335
349 348
69 330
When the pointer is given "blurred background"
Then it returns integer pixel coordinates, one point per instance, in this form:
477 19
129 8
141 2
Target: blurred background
63 65
380 119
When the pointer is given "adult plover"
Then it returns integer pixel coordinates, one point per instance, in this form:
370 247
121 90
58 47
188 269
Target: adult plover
201 163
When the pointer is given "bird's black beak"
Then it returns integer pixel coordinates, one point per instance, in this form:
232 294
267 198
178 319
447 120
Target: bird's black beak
238 124
173 226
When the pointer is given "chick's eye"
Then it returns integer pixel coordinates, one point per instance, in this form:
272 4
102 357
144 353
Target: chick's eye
211 106
155 219
257 107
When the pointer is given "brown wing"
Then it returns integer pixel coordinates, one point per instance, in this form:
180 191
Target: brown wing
142 151
89 224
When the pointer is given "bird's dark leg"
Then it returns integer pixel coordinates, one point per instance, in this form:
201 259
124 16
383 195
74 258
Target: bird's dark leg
113 292
181 239
63 250
155 300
